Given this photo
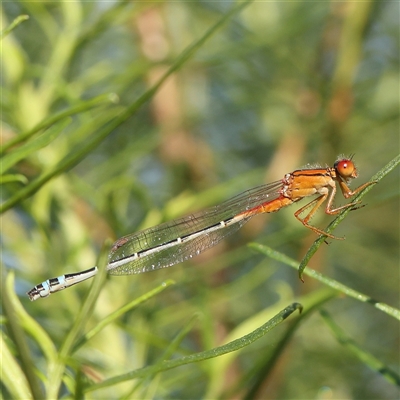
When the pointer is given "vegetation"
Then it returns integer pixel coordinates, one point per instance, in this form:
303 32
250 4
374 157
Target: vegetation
119 116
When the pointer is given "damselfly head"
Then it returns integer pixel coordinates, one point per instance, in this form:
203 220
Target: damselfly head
346 168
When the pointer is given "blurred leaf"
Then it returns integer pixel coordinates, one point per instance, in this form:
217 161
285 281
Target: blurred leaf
13 178
121 311
74 334
12 376
13 25
216 352
11 304
363 355
52 120
328 281
27 149
220 366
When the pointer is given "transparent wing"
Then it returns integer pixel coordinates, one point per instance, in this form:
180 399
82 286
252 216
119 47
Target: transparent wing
156 237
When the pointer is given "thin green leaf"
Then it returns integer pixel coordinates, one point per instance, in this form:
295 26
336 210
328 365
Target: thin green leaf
56 374
311 303
38 143
84 106
170 349
12 376
75 157
327 281
10 301
13 25
121 311
13 178
33 328
205 355
76 154
360 353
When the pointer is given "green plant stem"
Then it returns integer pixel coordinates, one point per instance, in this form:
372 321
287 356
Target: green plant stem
361 354
56 369
311 303
205 355
16 331
85 106
327 281
121 311
13 25
76 156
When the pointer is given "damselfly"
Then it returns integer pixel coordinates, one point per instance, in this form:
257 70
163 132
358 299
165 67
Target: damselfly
179 240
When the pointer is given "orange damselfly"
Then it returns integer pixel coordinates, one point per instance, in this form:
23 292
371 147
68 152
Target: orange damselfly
173 242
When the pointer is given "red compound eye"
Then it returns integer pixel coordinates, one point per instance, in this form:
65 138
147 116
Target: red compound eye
346 168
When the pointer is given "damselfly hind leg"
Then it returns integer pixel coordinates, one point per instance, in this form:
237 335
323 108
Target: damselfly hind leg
305 221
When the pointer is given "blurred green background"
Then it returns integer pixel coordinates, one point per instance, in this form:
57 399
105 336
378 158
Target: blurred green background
276 86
